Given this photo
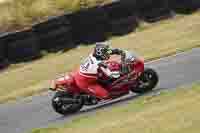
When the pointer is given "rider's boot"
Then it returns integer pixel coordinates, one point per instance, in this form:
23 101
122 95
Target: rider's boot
90 100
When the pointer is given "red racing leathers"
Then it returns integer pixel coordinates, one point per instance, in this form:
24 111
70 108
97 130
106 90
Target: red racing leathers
86 77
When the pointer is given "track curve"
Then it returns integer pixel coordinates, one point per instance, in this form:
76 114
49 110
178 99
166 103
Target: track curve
24 115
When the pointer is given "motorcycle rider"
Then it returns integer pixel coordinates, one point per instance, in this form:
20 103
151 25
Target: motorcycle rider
87 75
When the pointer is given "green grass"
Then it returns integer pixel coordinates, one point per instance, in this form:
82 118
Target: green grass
172 111
19 14
165 38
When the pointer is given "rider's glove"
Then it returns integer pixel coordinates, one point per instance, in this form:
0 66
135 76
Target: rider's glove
109 73
52 89
115 74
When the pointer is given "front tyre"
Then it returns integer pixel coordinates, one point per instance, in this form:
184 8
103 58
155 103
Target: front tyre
63 108
147 81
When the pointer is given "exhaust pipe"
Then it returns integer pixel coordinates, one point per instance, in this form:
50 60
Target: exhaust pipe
69 100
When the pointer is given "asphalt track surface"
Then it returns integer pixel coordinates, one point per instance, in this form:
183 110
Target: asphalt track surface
36 111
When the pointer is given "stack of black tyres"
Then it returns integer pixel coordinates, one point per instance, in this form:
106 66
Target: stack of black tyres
184 6
3 60
54 34
21 46
153 10
122 16
86 26
89 25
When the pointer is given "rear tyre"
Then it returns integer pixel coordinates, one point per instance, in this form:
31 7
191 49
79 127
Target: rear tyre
146 82
63 108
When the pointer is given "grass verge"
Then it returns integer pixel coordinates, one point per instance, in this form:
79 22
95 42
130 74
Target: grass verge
165 38
172 111
18 14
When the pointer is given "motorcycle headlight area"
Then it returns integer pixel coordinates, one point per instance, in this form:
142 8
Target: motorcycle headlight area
53 84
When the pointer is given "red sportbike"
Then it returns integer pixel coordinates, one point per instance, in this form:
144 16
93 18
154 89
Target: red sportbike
69 98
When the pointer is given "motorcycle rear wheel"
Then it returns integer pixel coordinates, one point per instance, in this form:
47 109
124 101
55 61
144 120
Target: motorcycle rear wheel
63 108
146 82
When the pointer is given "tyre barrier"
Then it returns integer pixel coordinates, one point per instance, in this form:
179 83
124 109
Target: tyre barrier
122 17
184 6
3 49
120 9
54 33
22 46
89 25
124 25
153 10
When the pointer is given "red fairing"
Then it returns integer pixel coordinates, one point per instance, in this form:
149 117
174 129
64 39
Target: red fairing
66 82
137 69
139 66
77 82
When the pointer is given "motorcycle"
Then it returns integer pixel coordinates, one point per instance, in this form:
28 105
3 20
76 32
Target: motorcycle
69 98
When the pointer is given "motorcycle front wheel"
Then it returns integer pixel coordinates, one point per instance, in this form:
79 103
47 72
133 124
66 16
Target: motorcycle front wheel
146 82
64 108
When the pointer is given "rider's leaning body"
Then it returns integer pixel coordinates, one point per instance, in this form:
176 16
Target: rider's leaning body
87 75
